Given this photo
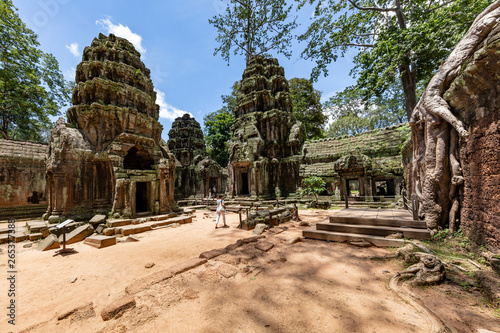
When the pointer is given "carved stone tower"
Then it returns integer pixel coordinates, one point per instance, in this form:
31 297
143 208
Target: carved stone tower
110 156
267 139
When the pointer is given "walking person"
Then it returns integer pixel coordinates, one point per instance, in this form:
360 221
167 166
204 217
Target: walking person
221 210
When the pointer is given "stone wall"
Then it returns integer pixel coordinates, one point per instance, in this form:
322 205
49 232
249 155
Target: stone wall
369 157
475 99
22 179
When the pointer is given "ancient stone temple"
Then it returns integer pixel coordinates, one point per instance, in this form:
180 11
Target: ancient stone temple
267 140
196 173
367 165
109 156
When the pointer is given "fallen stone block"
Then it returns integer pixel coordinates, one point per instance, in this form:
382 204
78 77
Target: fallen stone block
252 239
97 219
100 229
119 223
35 236
117 308
259 229
35 226
144 283
294 240
55 219
100 241
78 234
212 253
17 237
187 265
277 230
108 231
69 228
264 246
133 229
49 243
234 246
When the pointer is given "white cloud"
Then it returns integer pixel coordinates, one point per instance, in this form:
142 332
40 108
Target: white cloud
168 111
124 31
73 48
70 74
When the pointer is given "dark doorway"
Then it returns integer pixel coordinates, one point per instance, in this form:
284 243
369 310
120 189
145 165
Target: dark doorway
244 183
141 197
137 160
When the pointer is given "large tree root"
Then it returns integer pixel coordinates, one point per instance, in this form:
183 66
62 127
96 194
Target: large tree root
436 323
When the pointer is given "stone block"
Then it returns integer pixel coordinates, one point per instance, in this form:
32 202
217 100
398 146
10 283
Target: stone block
100 241
49 243
35 236
100 229
78 234
252 239
108 231
55 219
97 219
117 308
35 226
259 229
264 246
212 253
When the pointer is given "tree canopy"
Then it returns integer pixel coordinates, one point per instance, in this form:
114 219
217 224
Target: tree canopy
405 40
352 114
307 107
254 27
32 87
217 128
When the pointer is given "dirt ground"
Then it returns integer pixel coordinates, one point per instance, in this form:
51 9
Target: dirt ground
309 286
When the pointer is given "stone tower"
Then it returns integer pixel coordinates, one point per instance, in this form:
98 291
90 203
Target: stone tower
195 171
110 156
267 139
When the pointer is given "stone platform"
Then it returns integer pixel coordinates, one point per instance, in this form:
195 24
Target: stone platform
372 225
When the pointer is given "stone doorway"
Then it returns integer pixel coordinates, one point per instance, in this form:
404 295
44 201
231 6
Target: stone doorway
141 197
385 188
244 184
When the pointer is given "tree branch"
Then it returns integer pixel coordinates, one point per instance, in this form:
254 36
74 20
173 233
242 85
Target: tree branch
376 9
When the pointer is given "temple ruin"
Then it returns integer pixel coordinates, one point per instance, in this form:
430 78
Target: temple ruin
196 173
267 140
22 179
109 156
367 165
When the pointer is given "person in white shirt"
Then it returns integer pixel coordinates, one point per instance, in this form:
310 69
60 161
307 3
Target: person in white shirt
221 210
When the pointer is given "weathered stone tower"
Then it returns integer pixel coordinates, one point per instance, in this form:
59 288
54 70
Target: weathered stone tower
195 171
110 156
267 140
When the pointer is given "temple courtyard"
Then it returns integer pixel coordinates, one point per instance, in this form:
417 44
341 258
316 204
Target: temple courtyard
277 282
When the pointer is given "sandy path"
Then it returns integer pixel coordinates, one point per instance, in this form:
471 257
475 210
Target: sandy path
311 286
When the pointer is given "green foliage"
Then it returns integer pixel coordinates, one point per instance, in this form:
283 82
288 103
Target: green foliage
353 114
217 128
307 107
313 186
32 87
254 27
405 39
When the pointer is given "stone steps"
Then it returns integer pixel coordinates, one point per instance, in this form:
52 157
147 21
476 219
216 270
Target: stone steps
124 222
372 225
342 237
376 230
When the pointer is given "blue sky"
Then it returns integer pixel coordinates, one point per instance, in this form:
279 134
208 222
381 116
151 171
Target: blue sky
176 42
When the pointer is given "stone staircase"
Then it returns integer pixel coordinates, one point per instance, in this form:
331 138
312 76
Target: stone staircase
372 225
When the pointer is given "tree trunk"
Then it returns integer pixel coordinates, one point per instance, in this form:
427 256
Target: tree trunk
437 133
408 81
